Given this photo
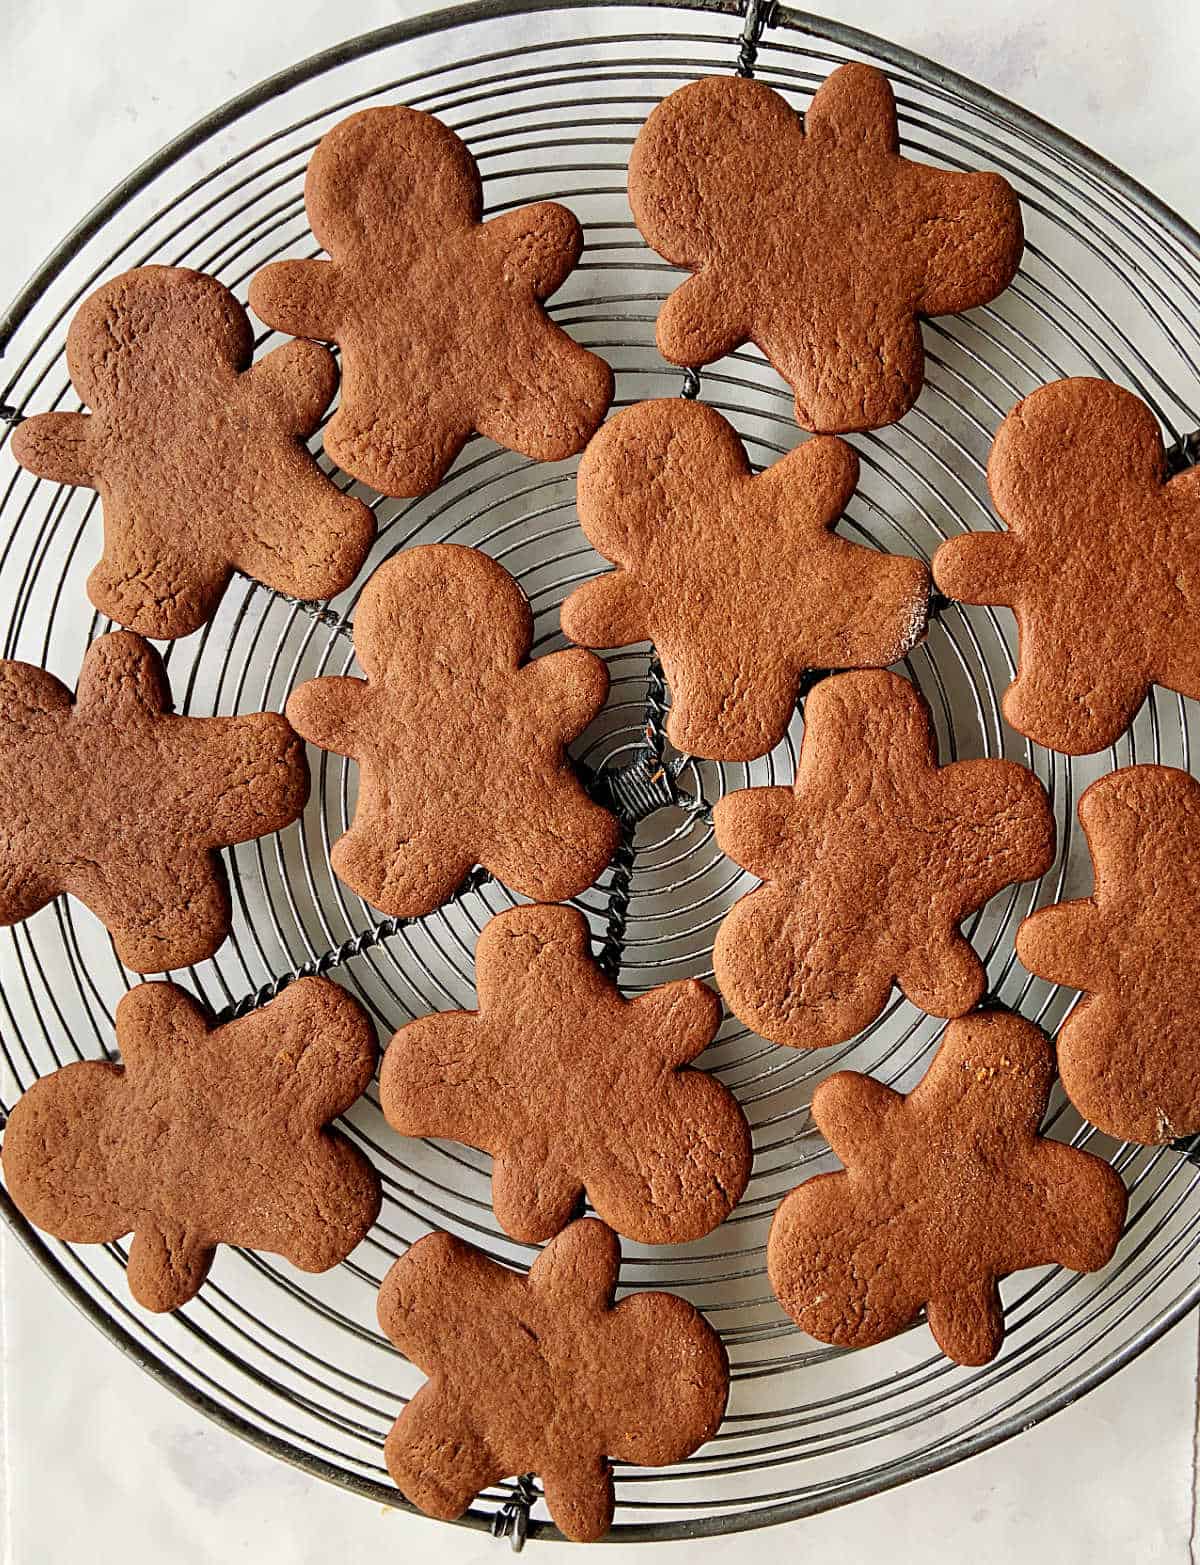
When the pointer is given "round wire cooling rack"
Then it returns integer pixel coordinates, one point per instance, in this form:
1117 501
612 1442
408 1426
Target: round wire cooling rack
550 98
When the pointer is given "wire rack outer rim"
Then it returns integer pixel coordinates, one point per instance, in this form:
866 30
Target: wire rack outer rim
779 17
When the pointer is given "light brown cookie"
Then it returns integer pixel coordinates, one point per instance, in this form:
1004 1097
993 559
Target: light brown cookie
739 580
543 1374
871 862
206 1135
945 1191
460 742
573 1089
198 455
118 801
1129 1054
813 238
439 316
1100 563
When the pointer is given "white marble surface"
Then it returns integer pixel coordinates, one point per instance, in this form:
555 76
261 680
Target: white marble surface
99 1464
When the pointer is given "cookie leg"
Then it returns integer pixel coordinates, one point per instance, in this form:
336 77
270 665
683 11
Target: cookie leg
730 708
436 1459
580 1497
148 588
405 878
166 1266
968 1324
161 913
1077 715
554 400
695 325
944 977
533 1197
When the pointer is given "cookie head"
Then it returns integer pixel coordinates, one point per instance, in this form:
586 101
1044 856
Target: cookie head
122 334
389 166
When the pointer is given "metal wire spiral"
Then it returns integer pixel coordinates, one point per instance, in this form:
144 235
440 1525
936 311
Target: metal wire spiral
1110 286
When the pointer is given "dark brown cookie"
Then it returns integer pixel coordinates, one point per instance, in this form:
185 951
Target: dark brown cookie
574 1089
739 580
1129 1054
460 742
123 804
871 862
945 1191
813 238
198 455
1101 563
206 1135
439 316
543 1374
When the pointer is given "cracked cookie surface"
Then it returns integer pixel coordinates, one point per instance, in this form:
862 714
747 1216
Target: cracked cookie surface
199 455
944 1192
439 315
204 1135
460 740
870 862
573 1088
1129 1053
813 238
543 1373
738 579
120 802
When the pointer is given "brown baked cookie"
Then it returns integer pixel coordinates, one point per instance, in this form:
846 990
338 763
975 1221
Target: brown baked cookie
1129 1054
206 1135
123 804
945 1191
438 315
543 1374
461 743
814 239
1101 563
198 455
871 862
739 580
574 1090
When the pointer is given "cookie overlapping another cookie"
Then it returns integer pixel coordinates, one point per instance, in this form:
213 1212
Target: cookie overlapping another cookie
543 1373
198 454
438 315
870 862
571 1087
1129 1053
944 1192
205 1135
813 238
460 742
737 578
114 798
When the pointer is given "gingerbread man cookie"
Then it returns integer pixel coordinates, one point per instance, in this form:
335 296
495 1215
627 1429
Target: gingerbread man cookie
945 1191
574 1089
543 1374
1129 1055
739 580
1100 563
813 238
198 455
460 742
438 315
206 1135
118 801
871 862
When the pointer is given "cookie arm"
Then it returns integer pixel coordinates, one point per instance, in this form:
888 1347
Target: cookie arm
541 244
579 1496
851 1111
123 676
298 297
979 568
581 1264
696 324
753 828
682 1018
294 384
855 106
567 689
328 712
56 446
609 611
1065 944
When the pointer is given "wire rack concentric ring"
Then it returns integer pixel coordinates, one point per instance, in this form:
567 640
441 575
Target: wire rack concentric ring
550 98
